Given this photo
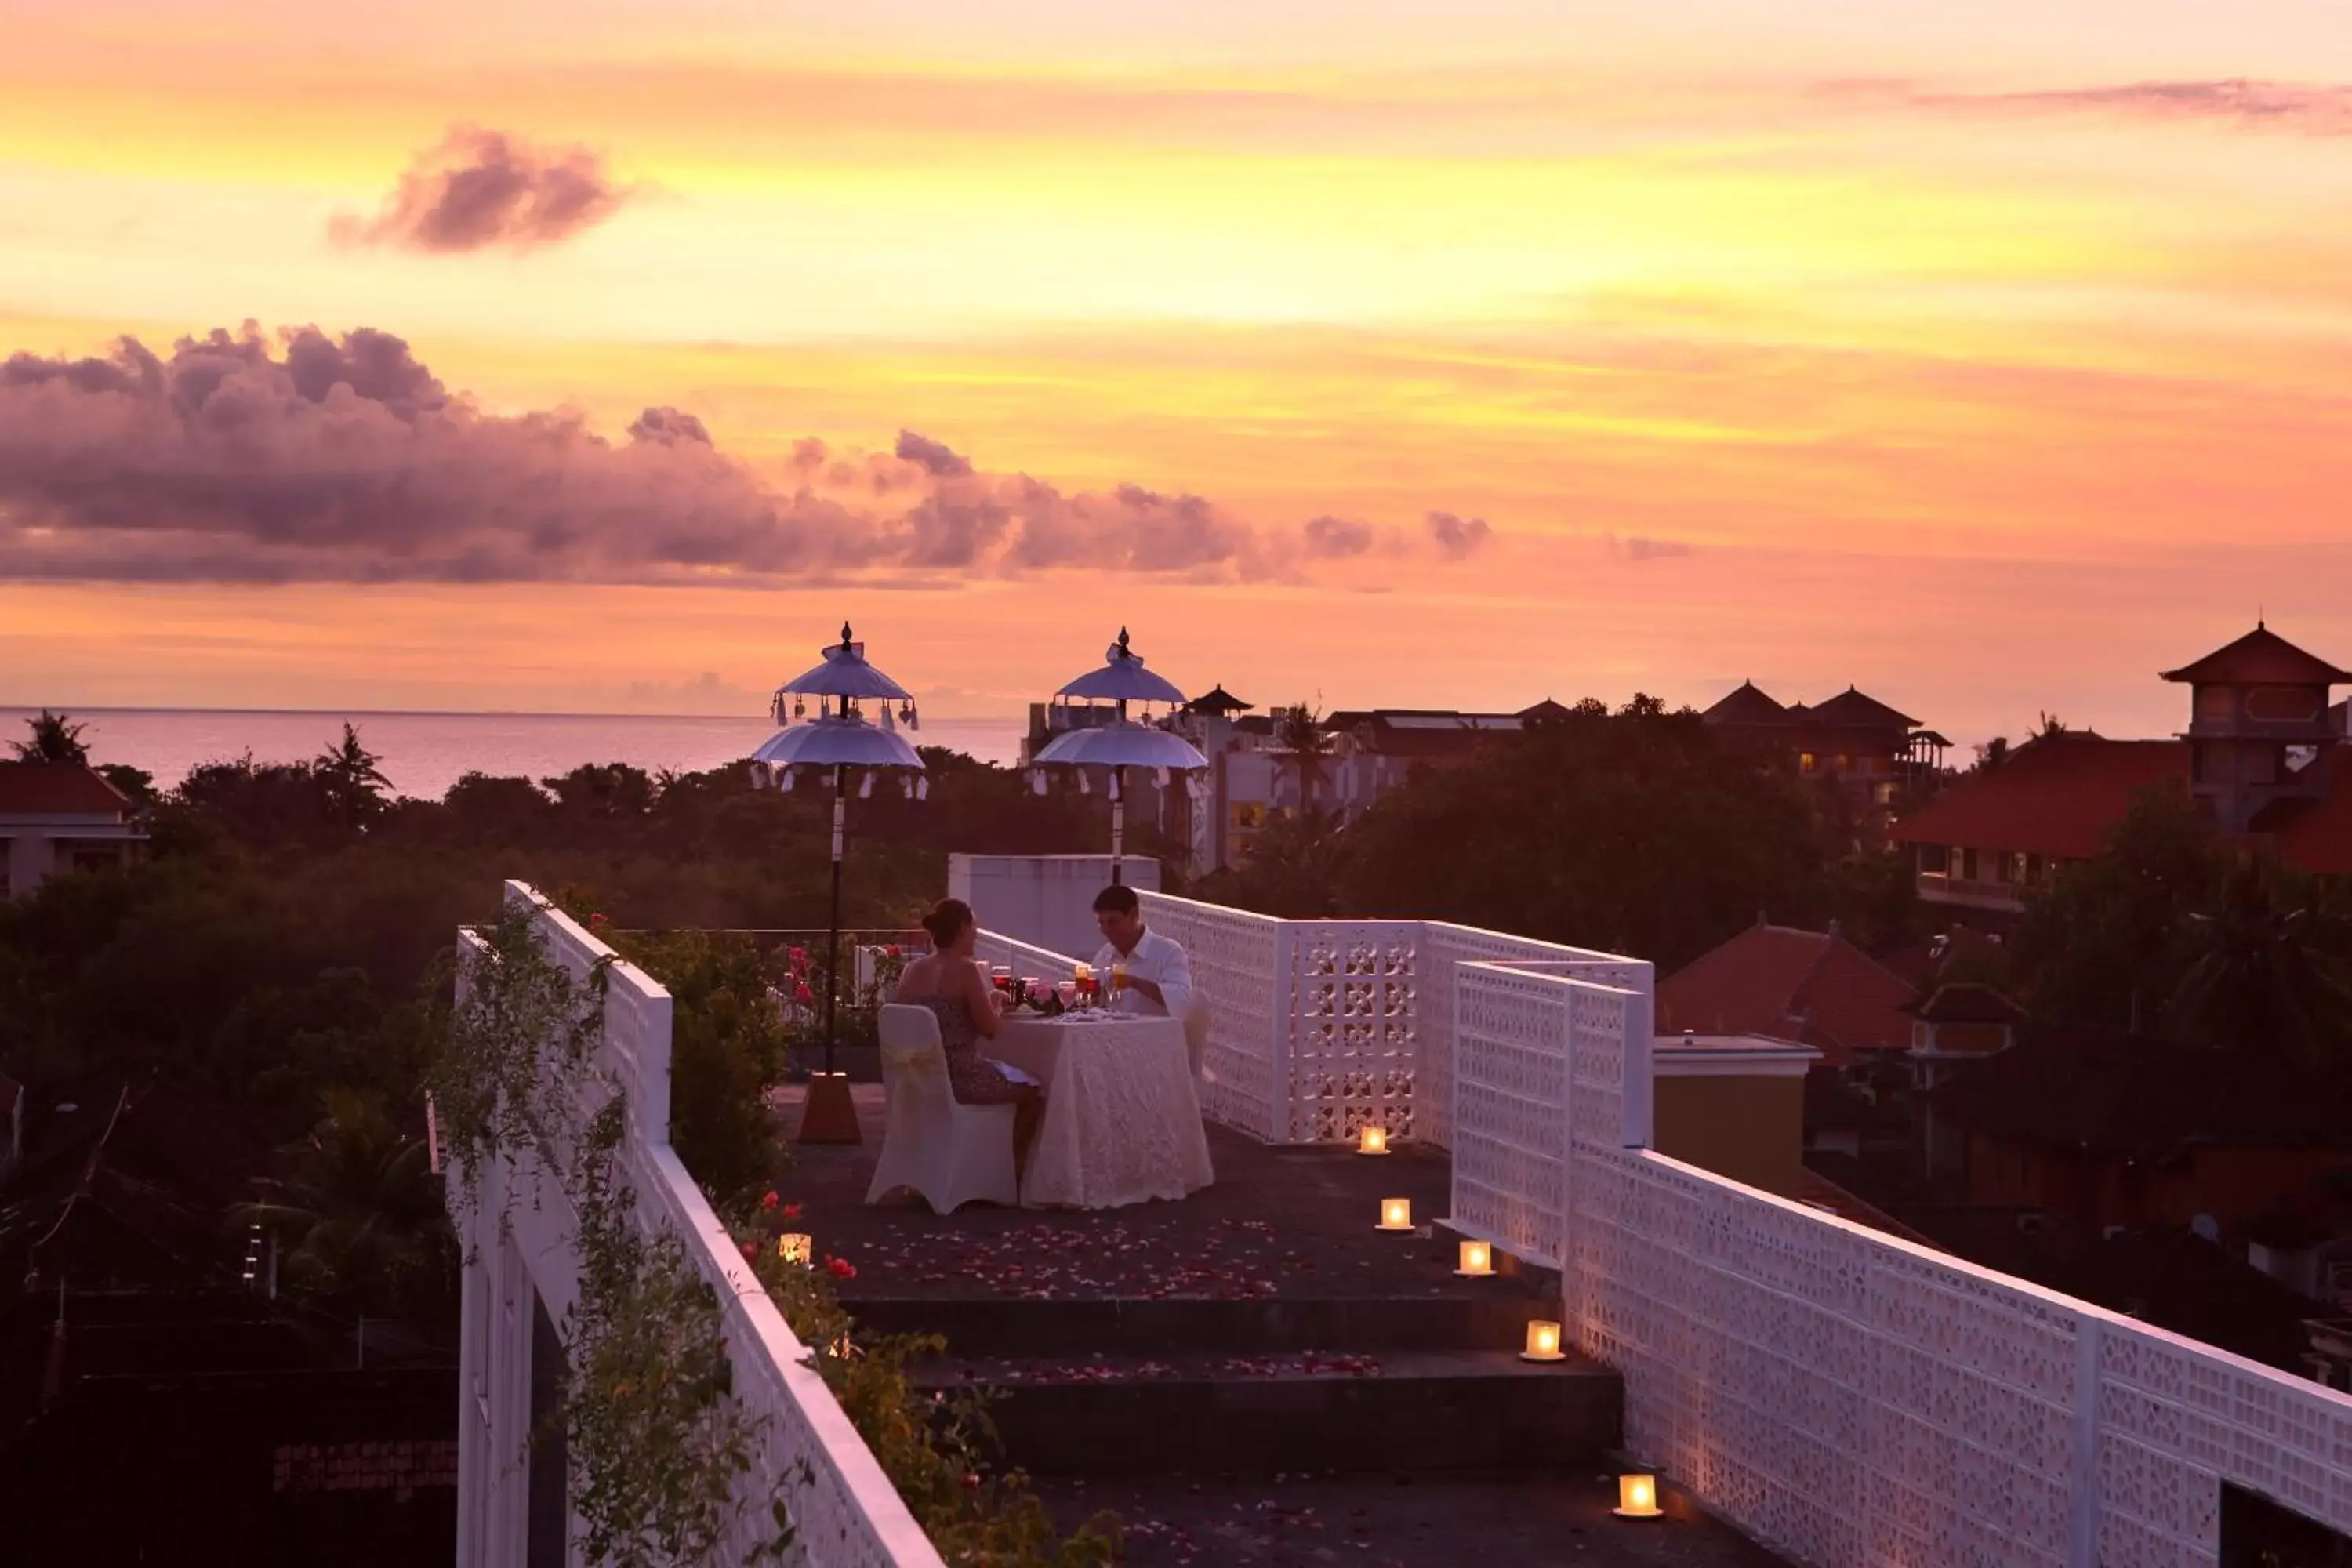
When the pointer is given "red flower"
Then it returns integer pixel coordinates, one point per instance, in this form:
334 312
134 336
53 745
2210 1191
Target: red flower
804 995
598 922
799 955
791 1211
749 1250
769 1200
895 950
841 1268
971 1480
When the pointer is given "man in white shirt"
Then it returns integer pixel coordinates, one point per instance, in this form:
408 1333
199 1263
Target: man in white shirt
1158 979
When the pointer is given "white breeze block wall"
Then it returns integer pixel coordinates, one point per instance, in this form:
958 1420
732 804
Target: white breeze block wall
1850 1399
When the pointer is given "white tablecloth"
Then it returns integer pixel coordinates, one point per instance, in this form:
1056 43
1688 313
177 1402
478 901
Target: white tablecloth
1122 1124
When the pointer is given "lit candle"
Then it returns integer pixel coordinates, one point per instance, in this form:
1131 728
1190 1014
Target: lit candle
1396 1214
1477 1258
1543 1342
1637 1496
1373 1141
793 1248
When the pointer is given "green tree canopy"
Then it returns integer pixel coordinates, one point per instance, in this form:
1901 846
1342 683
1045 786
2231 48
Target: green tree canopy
1630 830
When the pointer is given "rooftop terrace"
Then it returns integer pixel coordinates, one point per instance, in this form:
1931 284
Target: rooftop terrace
1838 1395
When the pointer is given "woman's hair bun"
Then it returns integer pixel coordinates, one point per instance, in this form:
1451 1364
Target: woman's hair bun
946 919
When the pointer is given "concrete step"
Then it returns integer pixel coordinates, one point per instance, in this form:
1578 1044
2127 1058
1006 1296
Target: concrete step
1131 1326
1403 1412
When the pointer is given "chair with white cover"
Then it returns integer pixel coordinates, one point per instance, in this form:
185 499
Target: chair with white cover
950 1152
1196 1032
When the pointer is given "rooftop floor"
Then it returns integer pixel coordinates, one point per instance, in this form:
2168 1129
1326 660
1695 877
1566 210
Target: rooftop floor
1210 1341
1398 1521
1285 1223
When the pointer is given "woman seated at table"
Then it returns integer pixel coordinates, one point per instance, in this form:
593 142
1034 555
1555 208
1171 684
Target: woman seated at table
951 983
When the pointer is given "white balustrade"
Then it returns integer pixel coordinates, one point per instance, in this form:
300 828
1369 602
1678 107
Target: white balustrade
519 1239
1847 1397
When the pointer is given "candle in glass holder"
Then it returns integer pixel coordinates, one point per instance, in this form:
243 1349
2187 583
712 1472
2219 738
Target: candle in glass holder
1637 1497
1373 1141
1396 1214
1477 1258
1543 1342
793 1248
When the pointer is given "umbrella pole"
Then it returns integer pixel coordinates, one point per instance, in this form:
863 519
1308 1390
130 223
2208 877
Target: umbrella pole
829 1116
1118 819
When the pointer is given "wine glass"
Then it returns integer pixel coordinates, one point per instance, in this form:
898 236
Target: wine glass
1067 991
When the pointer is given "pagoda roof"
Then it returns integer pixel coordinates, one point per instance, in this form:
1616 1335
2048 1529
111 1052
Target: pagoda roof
1219 700
1747 704
2261 658
1853 710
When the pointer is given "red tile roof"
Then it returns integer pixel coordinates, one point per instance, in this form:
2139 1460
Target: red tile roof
2056 795
2261 657
60 788
2315 836
1810 986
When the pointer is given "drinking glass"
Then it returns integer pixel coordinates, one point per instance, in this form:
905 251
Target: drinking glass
1067 991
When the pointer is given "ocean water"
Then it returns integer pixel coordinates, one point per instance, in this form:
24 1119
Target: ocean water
425 754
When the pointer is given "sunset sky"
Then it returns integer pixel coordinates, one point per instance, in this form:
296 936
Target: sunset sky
1989 355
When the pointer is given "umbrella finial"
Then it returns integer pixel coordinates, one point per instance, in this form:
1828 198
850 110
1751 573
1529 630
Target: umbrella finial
844 636
1122 642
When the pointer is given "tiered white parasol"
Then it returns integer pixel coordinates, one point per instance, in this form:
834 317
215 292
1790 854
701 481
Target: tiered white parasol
838 741
1114 747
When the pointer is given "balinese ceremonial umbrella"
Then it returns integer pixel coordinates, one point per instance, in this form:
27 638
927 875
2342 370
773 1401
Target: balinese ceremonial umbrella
1123 743
836 744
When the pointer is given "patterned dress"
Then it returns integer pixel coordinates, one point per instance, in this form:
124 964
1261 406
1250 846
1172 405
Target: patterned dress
972 1080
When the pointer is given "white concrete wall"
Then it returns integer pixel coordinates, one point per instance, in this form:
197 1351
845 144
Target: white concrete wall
1046 901
521 1237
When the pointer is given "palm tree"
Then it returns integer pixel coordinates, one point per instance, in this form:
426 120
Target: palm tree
360 1212
353 776
1299 730
55 739
2269 973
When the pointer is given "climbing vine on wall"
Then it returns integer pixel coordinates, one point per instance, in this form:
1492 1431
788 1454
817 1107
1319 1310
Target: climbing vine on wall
655 1439
515 1052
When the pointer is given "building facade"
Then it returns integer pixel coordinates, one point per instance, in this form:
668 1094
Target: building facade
1876 759
58 817
2261 753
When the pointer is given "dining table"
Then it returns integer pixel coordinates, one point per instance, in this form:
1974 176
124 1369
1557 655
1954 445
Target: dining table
1122 1123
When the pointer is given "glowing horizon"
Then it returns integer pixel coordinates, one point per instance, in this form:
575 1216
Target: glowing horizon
1983 357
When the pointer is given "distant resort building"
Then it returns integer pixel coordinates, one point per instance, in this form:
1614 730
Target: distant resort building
57 818
1878 759
2261 753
